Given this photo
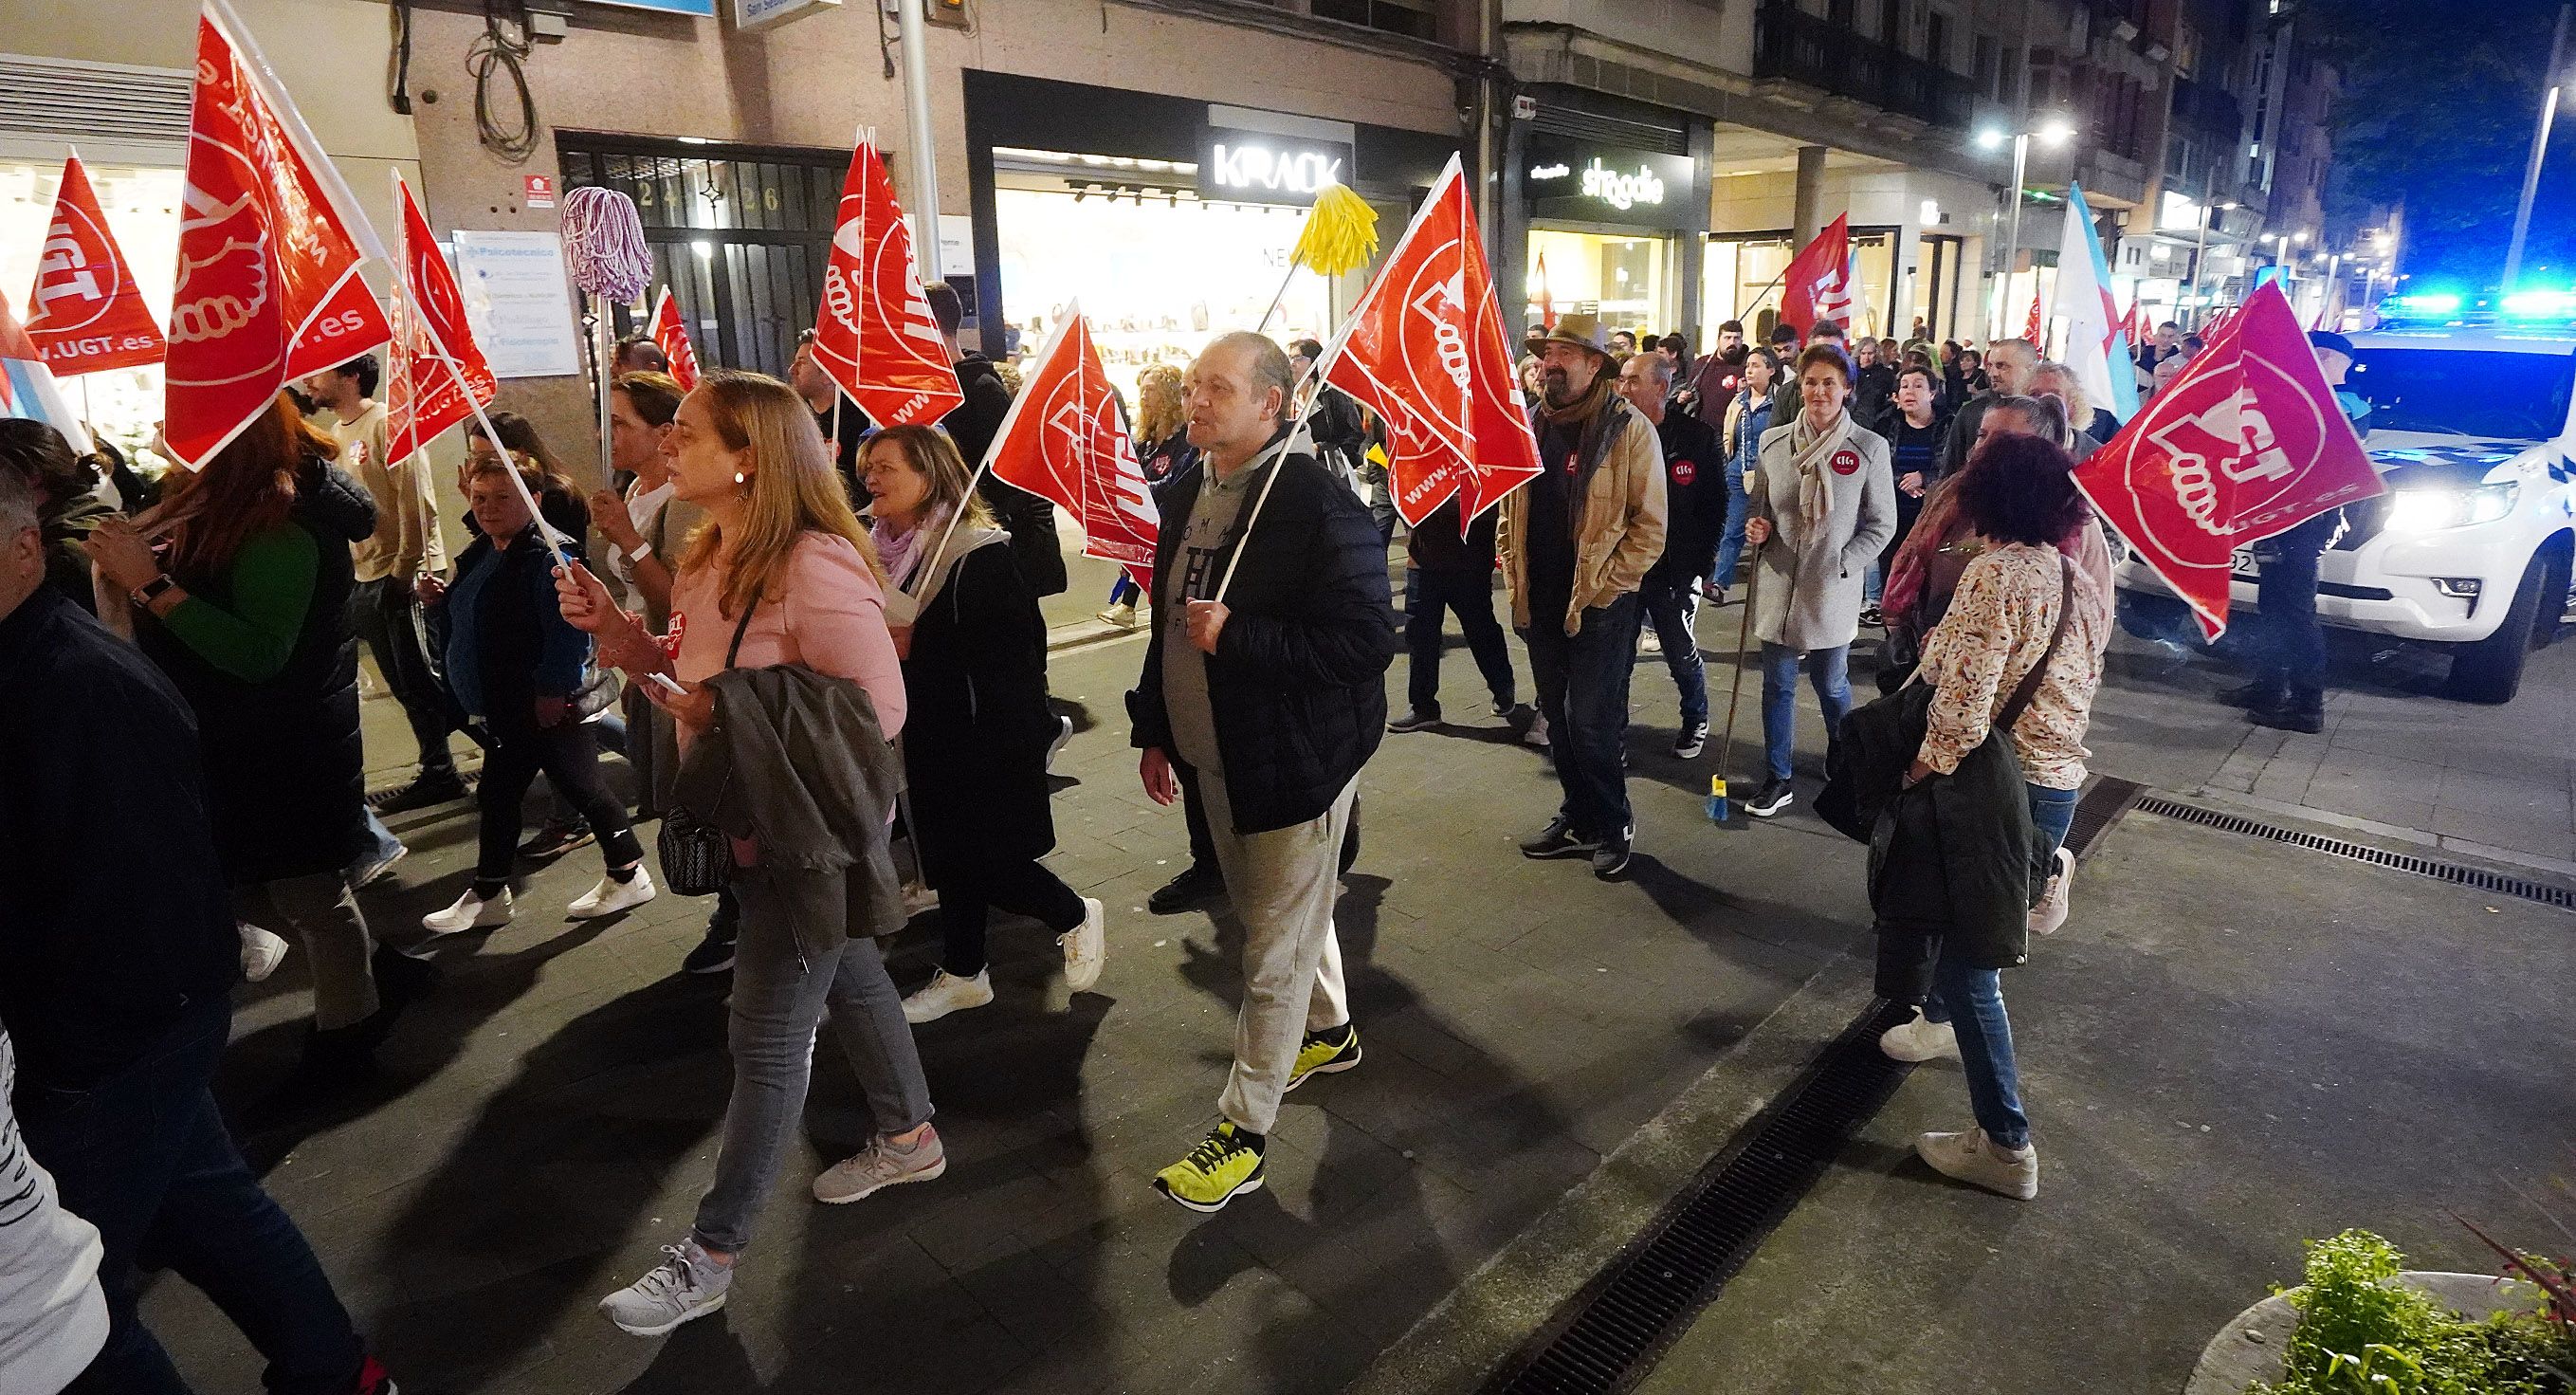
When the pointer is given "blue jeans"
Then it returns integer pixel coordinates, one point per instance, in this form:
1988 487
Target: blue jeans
1670 603
1985 1049
1828 672
1583 693
1873 583
381 844
1994 1083
1730 544
143 1155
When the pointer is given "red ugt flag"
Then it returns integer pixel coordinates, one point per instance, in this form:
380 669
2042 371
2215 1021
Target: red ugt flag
1425 351
2246 442
424 397
270 243
88 315
671 336
1063 440
1817 285
875 335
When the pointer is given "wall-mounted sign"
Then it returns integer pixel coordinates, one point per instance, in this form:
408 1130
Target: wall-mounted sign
537 191
1250 156
703 8
1259 167
518 301
760 14
1575 182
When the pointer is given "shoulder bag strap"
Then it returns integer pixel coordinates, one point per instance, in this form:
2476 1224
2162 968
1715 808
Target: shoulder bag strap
740 627
2030 682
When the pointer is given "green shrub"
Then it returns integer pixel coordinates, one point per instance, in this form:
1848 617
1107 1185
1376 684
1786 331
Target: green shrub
2362 1333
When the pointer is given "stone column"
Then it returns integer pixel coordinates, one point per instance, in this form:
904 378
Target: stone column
1811 193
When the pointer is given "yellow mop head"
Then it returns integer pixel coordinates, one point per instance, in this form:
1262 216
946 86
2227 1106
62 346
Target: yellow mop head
1340 234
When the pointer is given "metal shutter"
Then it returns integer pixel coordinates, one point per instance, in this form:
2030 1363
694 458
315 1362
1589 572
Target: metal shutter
1597 129
97 102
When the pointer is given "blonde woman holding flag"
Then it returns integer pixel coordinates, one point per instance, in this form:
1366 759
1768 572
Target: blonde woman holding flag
1823 502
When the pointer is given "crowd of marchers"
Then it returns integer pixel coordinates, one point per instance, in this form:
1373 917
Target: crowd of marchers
818 645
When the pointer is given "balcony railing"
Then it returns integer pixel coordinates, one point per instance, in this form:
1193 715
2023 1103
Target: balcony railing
1792 44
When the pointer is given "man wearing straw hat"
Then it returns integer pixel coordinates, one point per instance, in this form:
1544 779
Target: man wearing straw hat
1265 685
1576 544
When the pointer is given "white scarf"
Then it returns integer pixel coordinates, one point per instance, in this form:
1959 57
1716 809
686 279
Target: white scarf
1810 450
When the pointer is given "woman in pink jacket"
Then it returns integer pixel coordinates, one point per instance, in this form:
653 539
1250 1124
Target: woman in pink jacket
783 562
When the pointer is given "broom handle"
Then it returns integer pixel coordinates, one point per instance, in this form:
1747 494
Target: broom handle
1735 693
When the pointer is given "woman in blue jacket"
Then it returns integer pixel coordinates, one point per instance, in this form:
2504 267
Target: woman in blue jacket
516 663
1747 417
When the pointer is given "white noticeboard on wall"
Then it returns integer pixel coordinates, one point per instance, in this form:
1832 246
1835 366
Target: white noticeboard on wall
519 303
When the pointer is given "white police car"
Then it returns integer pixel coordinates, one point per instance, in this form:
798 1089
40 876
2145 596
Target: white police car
2474 431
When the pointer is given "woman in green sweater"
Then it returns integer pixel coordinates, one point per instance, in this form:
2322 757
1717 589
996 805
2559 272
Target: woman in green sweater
246 606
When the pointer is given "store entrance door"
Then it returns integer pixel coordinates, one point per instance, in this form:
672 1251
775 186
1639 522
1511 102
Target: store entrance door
739 233
1624 278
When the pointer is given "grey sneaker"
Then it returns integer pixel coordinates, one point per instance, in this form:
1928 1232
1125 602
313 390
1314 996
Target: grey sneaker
1976 1159
687 1285
881 1165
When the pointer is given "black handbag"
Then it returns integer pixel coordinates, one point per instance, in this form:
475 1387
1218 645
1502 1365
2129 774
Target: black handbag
697 856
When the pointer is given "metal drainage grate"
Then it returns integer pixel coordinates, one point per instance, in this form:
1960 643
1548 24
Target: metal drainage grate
2454 872
1610 1334
2102 805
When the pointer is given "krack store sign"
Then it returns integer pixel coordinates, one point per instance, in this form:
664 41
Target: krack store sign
1242 166
1574 182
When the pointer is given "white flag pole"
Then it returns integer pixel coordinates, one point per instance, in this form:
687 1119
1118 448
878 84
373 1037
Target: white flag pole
1046 355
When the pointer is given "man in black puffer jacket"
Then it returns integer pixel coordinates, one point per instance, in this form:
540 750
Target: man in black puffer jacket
1270 699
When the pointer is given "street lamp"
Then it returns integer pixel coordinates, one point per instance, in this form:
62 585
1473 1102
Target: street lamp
2052 131
2200 252
2539 148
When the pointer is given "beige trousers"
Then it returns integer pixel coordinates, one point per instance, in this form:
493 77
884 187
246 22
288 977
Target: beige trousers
1282 884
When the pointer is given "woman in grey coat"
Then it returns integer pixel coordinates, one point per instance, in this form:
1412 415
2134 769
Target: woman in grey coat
1823 499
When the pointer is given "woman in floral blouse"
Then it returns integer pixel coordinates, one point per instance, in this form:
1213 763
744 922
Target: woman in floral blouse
2019 502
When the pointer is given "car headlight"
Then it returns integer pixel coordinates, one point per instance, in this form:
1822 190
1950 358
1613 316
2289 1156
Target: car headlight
2431 510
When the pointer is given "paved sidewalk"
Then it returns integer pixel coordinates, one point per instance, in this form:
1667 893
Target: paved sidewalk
2217 1067
550 1119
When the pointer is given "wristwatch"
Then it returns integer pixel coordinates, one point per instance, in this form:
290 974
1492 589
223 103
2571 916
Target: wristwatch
150 591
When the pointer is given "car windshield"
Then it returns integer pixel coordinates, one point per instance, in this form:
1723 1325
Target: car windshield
2465 392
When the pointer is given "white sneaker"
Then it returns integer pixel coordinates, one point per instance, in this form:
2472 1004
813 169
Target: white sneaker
1063 734
471 912
919 897
612 895
1086 947
1122 615
880 1166
1920 1040
687 1285
2050 913
1649 641
1979 1161
1537 733
947 993
262 951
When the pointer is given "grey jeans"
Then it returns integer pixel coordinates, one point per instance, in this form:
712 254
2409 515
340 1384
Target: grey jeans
1282 883
323 913
779 999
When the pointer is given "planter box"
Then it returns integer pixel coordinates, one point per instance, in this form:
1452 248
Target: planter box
2256 1345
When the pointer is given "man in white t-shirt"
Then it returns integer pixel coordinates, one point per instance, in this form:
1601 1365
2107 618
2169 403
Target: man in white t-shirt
53 1318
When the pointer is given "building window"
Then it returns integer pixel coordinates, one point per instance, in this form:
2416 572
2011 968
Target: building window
1388 16
739 236
1989 76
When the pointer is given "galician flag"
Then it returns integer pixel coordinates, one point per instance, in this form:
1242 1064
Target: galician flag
2097 336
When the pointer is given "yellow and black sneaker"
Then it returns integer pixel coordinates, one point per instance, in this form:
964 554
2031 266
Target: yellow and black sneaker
1226 1164
1325 1053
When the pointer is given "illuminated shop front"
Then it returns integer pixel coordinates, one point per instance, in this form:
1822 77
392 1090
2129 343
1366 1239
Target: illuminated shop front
1605 227
1169 221
142 207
